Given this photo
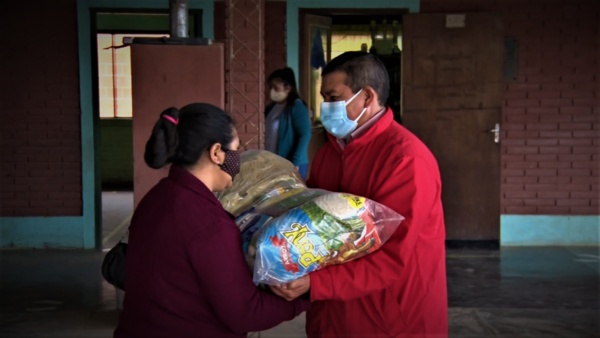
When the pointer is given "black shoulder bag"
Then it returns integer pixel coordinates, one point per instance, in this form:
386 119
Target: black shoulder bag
113 265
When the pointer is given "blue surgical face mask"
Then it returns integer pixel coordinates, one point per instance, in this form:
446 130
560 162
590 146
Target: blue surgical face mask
335 118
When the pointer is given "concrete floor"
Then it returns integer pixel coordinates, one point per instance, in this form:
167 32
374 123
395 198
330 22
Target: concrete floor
515 292
117 208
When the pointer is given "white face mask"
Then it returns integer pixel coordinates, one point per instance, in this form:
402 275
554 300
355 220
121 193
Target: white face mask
278 96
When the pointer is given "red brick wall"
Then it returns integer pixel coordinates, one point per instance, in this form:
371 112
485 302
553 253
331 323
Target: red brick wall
40 143
275 35
245 68
550 143
275 40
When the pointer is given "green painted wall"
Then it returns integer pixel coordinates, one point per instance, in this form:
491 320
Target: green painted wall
135 22
116 153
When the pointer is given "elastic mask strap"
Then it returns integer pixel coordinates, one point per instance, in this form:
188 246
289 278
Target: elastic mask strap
361 114
352 98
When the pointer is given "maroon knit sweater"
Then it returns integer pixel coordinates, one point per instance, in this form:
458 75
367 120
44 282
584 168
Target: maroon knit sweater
186 275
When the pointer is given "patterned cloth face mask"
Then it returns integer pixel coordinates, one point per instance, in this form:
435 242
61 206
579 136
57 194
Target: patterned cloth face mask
232 163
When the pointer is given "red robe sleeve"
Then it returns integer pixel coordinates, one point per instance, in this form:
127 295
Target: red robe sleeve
409 187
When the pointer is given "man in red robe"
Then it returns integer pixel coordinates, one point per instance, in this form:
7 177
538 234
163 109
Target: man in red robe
400 290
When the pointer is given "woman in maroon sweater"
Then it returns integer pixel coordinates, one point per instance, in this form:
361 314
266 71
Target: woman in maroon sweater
186 275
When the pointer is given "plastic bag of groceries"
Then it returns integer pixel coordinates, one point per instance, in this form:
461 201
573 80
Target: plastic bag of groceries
263 175
321 229
289 230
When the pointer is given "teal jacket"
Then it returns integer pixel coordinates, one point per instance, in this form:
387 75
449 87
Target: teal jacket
294 133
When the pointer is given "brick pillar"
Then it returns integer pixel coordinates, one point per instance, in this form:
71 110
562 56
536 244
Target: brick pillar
275 39
245 68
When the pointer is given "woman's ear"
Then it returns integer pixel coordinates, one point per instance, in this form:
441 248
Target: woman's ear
215 154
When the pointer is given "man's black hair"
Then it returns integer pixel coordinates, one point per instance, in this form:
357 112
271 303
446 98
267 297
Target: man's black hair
362 69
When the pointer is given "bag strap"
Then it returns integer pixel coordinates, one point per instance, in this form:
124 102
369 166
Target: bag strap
127 233
124 236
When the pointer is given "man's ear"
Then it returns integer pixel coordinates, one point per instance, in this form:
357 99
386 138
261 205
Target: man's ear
370 96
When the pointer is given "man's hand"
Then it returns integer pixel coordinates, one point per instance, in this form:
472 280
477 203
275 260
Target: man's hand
294 289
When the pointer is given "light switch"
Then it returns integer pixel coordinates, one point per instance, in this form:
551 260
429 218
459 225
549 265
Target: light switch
455 20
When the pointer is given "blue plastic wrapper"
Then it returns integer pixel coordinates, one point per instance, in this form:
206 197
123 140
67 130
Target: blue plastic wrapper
328 229
288 248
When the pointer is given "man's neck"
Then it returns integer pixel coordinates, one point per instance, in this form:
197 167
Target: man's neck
361 129
376 109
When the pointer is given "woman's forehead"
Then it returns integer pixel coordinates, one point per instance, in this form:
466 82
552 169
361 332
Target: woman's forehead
276 82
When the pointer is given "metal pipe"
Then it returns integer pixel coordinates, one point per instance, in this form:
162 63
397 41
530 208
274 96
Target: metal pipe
178 18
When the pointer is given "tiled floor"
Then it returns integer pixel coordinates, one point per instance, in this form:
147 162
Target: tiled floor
515 292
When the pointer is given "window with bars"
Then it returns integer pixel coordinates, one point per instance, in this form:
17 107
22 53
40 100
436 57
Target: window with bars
114 75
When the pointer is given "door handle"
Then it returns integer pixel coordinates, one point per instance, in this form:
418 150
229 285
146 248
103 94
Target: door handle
496 132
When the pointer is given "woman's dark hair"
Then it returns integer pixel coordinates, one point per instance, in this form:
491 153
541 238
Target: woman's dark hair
182 136
287 77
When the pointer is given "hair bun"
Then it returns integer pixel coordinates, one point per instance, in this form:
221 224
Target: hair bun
172 112
161 148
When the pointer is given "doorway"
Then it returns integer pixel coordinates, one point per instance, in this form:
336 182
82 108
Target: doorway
328 33
111 92
446 86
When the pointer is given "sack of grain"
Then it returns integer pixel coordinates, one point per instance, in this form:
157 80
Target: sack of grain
263 175
321 229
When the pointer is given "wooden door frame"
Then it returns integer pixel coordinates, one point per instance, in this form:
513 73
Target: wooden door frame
304 62
304 34
337 7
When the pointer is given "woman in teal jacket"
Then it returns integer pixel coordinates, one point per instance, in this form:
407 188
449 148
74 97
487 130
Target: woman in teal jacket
287 124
